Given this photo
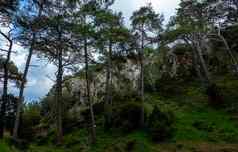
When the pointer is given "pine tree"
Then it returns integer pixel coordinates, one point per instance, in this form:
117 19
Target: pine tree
146 24
28 25
7 13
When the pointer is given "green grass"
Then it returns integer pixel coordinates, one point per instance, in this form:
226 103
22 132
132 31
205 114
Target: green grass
47 148
4 147
196 123
205 125
212 126
196 120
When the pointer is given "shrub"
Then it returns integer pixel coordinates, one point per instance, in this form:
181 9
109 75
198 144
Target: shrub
204 125
20 144
29 120
168 86
160 124
98 109
71 123
127 117
130 145
214 94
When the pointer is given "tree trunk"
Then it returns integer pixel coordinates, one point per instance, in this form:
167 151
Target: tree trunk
59 81
22 87
5 90
196 64
202 63
24 79
93 125
142 79
233 58
108 103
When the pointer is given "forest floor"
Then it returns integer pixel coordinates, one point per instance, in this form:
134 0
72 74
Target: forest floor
199 127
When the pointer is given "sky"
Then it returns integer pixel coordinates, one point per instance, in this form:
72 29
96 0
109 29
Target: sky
42 74
166 7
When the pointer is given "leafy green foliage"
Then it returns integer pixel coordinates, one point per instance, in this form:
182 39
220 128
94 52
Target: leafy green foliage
31 117
160 124
127 117
147 17
214 93
169 80
14 73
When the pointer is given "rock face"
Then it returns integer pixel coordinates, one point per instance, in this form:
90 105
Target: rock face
178 61
125 76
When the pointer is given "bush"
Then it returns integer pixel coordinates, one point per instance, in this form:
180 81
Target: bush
214 94
160 124
127 117
98 109
168 86
29 120
204 125
71 123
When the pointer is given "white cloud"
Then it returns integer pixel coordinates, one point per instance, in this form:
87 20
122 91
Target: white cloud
19 56
166 7
38 83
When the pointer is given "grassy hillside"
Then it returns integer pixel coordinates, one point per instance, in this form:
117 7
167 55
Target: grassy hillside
198 126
